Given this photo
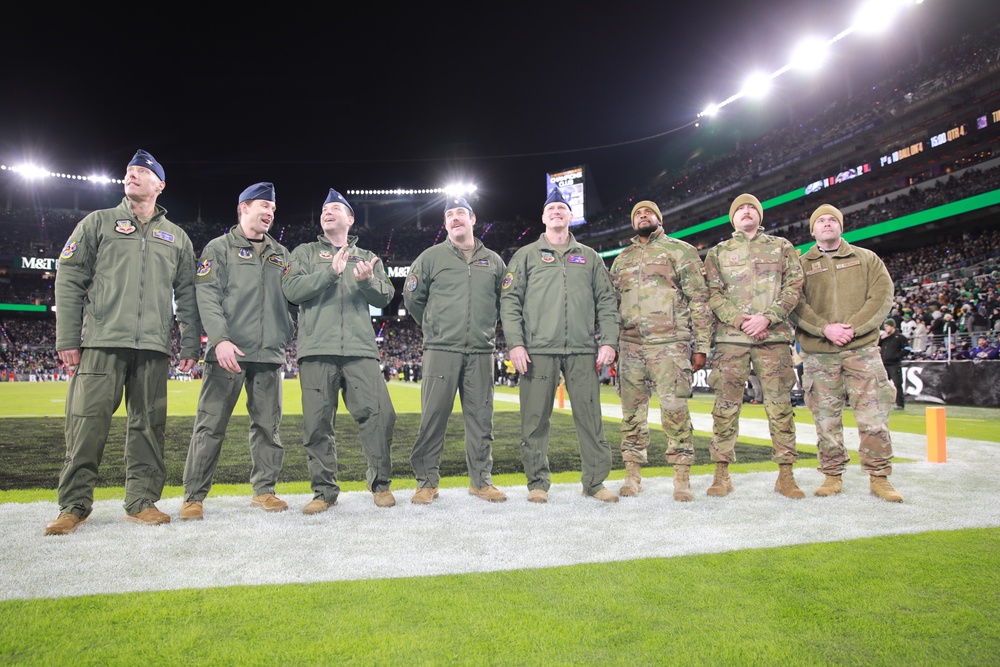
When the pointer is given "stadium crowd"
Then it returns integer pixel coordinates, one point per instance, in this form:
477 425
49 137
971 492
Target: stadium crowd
945 295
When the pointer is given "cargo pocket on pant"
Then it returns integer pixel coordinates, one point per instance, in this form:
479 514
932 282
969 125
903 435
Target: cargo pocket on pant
886 394
91 394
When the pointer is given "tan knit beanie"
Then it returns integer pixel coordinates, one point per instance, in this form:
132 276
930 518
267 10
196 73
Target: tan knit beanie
826 209
745 199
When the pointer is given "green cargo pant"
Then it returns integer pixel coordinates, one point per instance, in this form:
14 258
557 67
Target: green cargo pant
95 392
220 390
538 391
471 375
323 378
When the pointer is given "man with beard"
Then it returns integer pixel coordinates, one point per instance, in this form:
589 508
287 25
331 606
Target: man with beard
666 333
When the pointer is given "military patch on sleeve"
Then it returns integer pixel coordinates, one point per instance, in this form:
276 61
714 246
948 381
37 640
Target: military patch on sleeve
576 259
508 280
325 254
277 260
285 270
481 262
163 236
68 250
204 268
411 282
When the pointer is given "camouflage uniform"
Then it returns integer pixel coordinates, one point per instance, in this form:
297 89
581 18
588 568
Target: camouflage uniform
663 303
852 286
747 276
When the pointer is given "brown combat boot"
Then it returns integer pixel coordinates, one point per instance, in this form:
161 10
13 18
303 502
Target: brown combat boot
192 511
882 488
682 484
425 495
64 524
722 485
633 480
831 486
785 484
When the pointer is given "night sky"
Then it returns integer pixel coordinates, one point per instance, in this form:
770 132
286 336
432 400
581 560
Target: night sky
418 97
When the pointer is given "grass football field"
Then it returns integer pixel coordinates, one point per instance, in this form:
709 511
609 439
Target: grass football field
923 599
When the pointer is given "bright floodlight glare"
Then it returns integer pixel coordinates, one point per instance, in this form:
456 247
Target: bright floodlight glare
459 189
756 85
876 15
32 172
810 54
710 110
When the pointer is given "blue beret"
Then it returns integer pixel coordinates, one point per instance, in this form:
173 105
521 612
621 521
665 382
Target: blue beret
336 196
144 159
556 197
457 202
263 191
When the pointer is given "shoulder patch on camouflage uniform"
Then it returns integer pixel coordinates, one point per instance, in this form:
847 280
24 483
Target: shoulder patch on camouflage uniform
204 268
508 280
411 282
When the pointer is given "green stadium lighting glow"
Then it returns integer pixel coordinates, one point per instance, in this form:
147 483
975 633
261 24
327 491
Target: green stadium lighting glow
919 218
24 308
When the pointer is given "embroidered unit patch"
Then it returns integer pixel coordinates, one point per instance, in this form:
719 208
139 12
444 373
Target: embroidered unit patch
124 226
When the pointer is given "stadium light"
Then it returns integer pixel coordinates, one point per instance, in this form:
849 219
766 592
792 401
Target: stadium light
756 85
810 54
875 15
710 111
459 189
31 172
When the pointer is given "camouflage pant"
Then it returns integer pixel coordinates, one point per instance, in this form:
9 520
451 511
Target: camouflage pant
730 370
859 376
668 368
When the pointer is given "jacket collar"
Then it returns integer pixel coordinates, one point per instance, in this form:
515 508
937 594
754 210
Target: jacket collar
657 233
